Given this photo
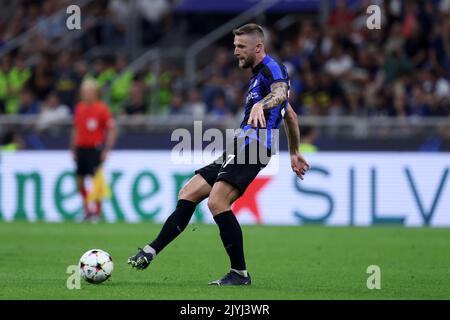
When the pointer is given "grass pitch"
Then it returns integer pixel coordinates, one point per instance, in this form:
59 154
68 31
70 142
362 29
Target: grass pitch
285 262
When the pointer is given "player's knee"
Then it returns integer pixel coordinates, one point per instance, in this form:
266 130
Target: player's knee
187 193
183 193
216 205
195 190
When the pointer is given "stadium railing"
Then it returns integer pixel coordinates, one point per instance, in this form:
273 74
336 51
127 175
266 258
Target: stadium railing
344 126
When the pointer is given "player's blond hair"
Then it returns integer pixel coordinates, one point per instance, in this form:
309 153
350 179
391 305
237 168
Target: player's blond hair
89 83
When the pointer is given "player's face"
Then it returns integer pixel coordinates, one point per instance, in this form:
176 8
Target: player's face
245 50
88 93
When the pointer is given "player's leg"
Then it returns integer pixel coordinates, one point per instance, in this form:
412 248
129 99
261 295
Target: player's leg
89 160
233 179
84 194
81 171
96 213
222 196
98 209
190 195
95 165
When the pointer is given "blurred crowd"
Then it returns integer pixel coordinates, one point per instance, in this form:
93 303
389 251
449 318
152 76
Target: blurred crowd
43 75
339 67
403 69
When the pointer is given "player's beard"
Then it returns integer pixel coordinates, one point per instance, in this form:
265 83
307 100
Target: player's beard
247 63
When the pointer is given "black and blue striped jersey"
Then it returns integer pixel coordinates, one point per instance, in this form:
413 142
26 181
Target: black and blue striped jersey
266 73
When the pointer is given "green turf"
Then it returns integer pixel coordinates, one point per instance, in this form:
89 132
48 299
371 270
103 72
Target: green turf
285 262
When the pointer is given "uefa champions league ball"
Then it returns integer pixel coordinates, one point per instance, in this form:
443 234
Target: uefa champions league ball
96 266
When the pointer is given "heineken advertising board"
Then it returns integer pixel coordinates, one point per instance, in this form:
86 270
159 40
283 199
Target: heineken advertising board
362 189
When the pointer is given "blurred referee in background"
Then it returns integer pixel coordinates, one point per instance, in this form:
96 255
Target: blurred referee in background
93 136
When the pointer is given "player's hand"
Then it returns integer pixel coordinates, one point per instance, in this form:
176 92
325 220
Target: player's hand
256 118
299 165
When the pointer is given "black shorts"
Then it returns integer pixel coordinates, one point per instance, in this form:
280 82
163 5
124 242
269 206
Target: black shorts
87 160
236 166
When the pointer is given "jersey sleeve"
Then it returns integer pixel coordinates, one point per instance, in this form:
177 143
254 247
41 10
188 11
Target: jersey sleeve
276 73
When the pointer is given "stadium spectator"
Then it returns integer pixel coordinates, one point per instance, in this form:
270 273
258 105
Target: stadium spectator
120 84
396 64
11 141
341 17
42 78
67 80
164 96
308 136
52 112
176 105
383 106
153 13
136 103
195 106
119 12
212 88
419 102
220 66
313 102
339 64
103 71
81 68
307 42
51 25
28 105
4 70
220 107
18 77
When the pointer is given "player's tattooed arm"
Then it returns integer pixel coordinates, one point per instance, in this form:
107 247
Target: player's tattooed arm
278 94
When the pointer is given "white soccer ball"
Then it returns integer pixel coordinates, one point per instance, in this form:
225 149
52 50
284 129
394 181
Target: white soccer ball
96 266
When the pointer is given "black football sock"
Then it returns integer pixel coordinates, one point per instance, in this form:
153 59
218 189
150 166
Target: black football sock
175 224
231 235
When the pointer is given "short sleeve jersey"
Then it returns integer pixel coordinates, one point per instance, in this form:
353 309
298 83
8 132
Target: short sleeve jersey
91 122
266 73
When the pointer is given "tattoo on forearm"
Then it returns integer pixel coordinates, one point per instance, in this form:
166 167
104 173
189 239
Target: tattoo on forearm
278 93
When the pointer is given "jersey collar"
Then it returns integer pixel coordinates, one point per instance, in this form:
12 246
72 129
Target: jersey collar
260 65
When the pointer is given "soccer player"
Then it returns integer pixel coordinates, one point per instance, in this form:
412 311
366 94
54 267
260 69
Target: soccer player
227 178
93 136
